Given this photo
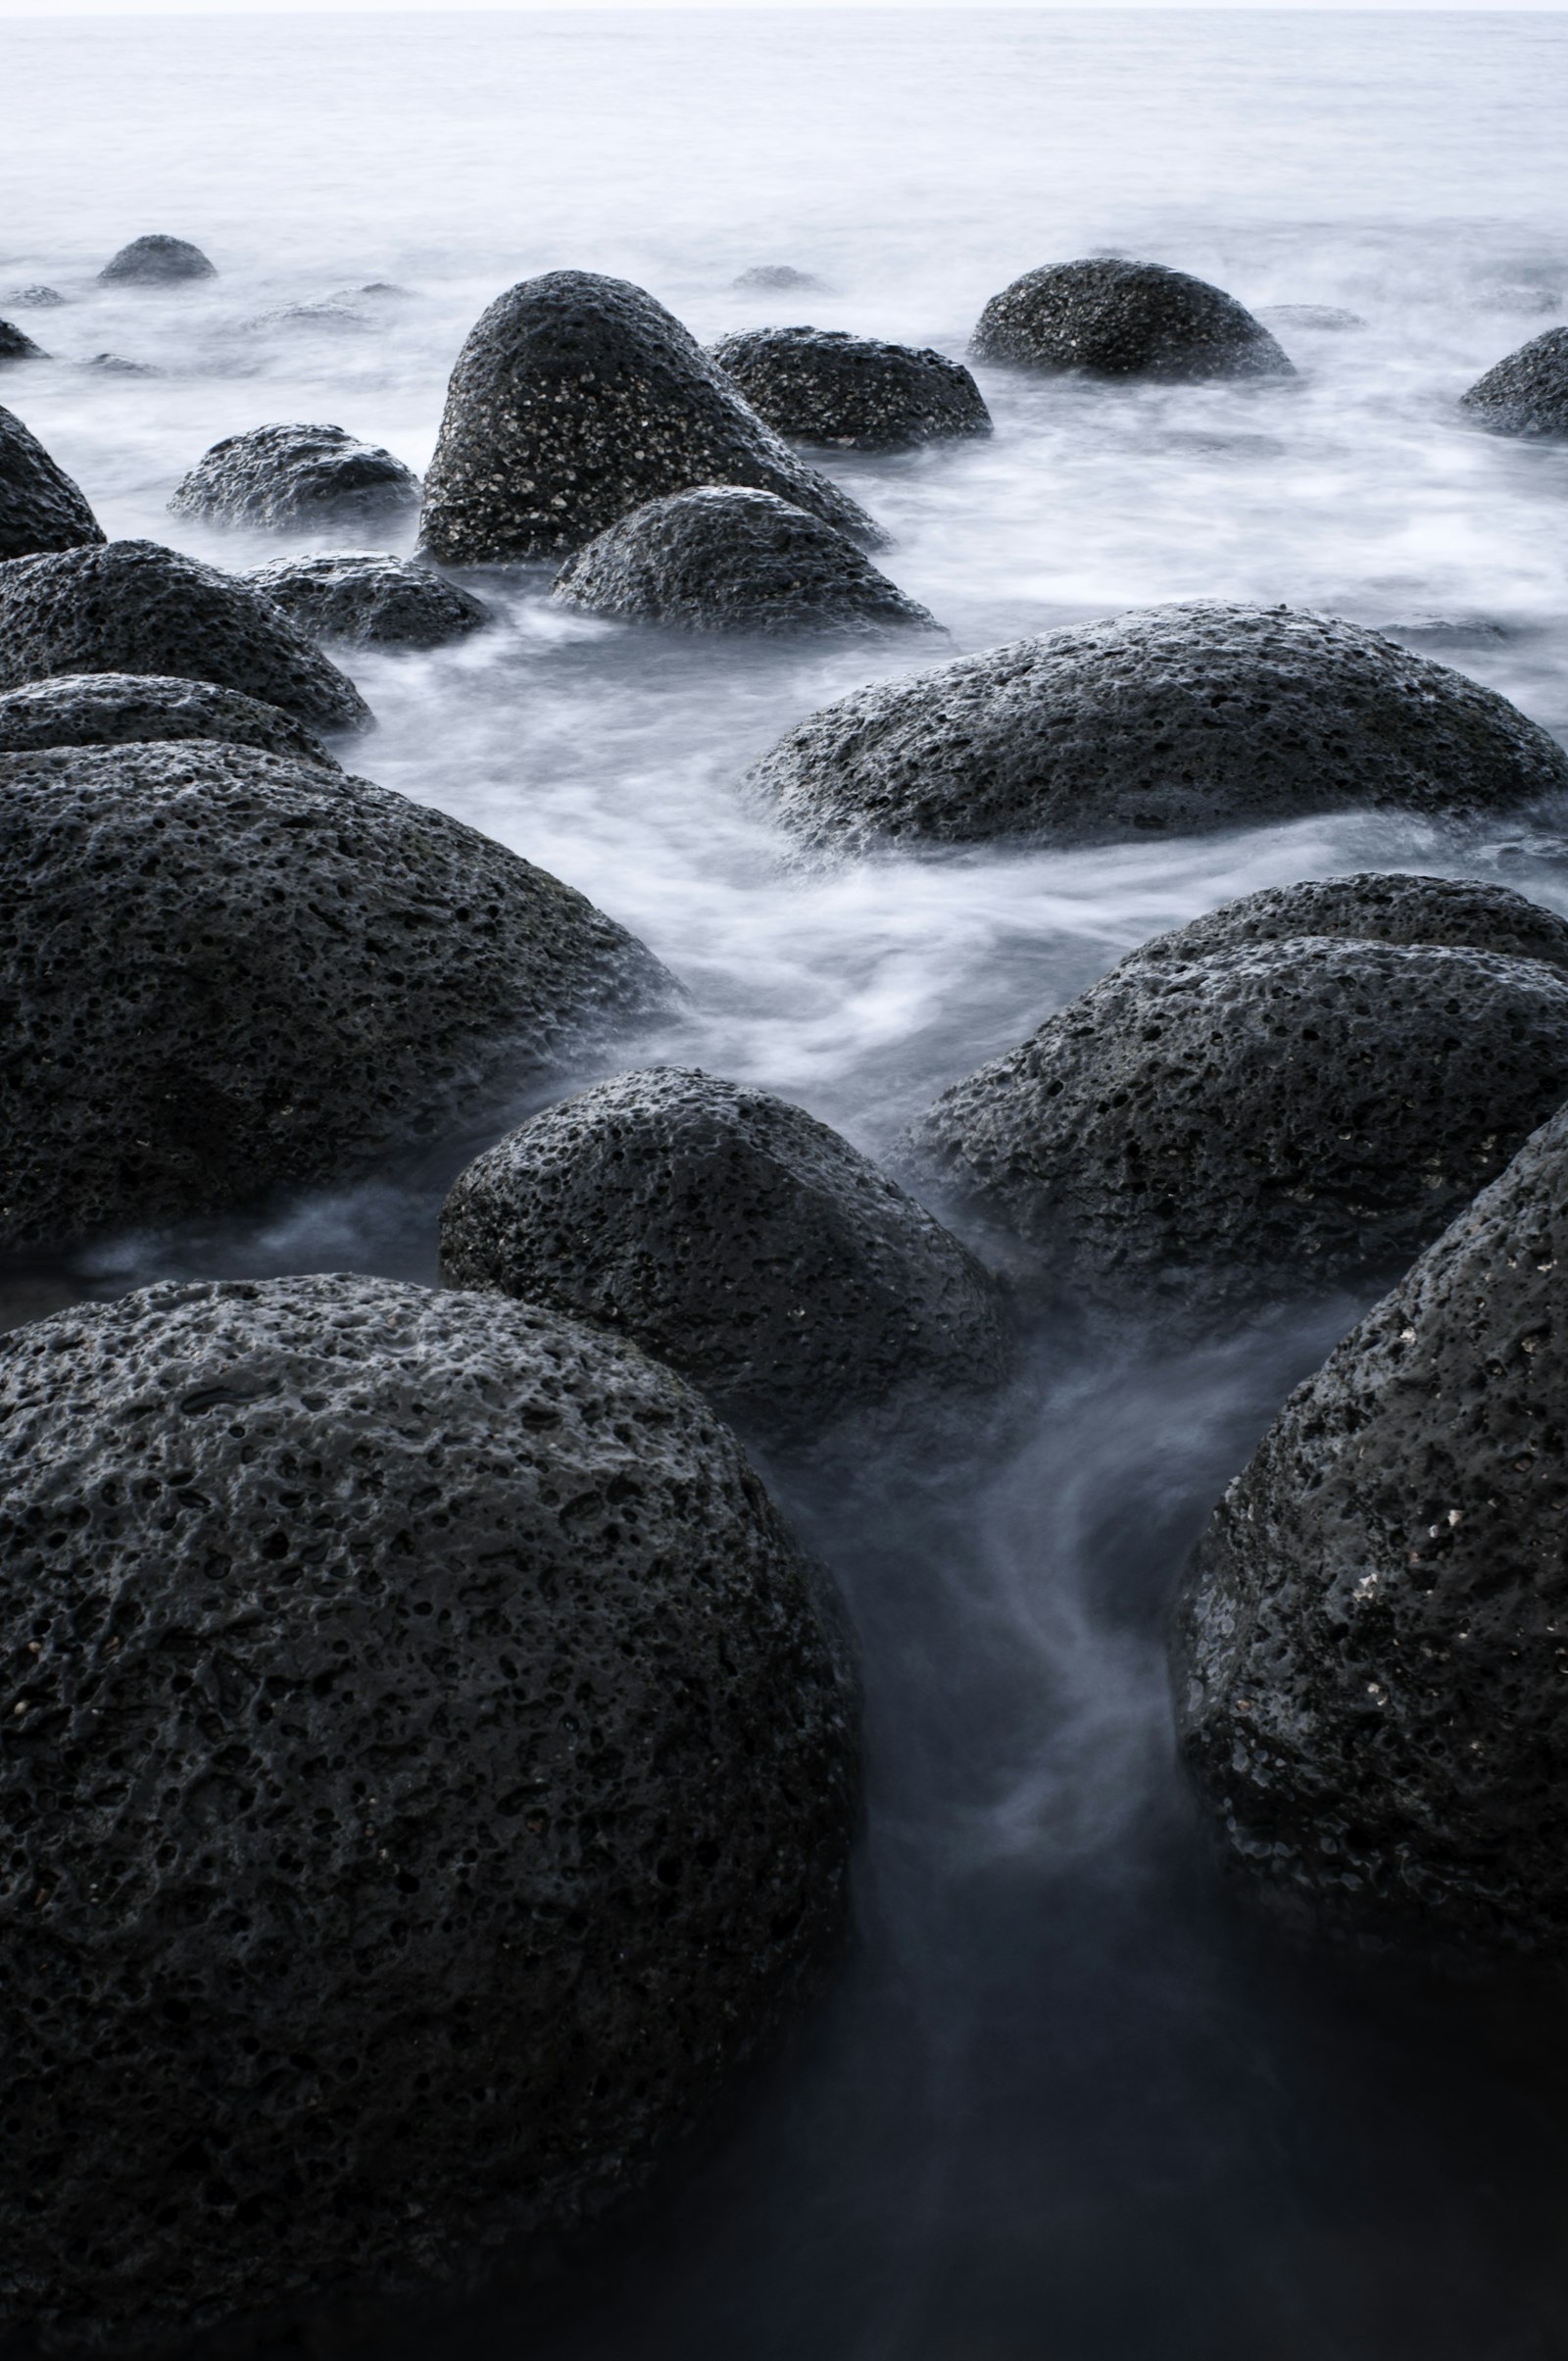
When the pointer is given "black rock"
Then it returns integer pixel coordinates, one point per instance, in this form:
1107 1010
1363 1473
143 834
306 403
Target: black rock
157 262
40 508
428 1779
1376 906
370 600
295 477
1528 392
113 365
136 606
120 708
1168 720
723 559
1264 1120
576 398
34 299
820 385
231 974
733 1236
1118 319
1372 1659
15 346
778 278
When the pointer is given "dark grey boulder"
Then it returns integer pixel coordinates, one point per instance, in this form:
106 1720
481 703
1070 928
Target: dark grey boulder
370 600
14 345
294 477
723 559
1322 316
231 974
734 1237
578 398
114 364
778 278
1528 392
1169 719
41 510
428 1779
34 299
157 262
1264 1120
136 606
820 385
1372 1658
1375 906
1116 318
120 708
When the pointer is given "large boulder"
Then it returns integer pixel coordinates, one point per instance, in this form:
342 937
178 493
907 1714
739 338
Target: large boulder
1260 1121
119 708
1528 392
230 974
428 1777
576 398
136 606
1170 718
370 600
733 1236
40 508
1372 1658
157 262
1374 906
294 477
16 345
725 558
820 385
1117 318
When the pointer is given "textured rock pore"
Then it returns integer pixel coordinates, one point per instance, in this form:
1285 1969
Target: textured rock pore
370 600
819 385
122 709
293 478
41 510
1528 392
1117 319
1375 906
157 262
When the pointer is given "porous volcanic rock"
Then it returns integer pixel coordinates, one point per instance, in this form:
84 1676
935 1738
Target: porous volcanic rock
157 262
428 1777
370 600
1528 392
1117 318
136 606
1263 1121
120 708
1375 906
822 385
297 476
232 974
16 345
726 559
576 398
1372 1656
734 1237
40 508
1169 718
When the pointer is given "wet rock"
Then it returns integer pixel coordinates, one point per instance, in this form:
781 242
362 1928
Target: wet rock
113 365
370 600
297 476
136 606
428 1779
1117 318
157 262
1371 1655
734 1237
327 315
778 278
1267 1119
722 559
1528 392
16 346
119 708
578 398
1169 719
1375 906
820 385
275 973
1322 316
34 299
40 508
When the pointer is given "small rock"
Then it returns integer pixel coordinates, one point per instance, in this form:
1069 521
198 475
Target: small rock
1125 319
157 262
370 600
329 315
1528 392
34 299
820 385
1308 316
15 346
294 477
113 367
778 278
119 708
1389 907
40 508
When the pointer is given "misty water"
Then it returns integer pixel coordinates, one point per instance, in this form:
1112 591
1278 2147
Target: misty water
1066 2103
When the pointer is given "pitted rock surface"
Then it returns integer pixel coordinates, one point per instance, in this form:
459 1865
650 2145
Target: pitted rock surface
734 1237
1270 1118
119 708
820 385
1375 906
40 508
1170 718
427 1779
723 559
1117 319
136 606
230 974
576 398
297 476
157 262
16 345
370 600
1528 392
1372 1658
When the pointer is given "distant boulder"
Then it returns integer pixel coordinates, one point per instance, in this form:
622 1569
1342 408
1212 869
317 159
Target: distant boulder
819 385
1375 906
778 278
157 262
1528 392
1324 317
122 709
1116 318
15 346
41 511
297 476
370 600
33 299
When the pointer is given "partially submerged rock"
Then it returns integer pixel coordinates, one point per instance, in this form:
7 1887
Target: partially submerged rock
34 299
120 708
370 600
1319 316
1374 906
819 385
14 345
297 476
41 510
1117 319
157 262
1528 392
114 364
778 278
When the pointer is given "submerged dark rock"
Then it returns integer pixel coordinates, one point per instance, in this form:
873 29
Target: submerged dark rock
113 364
1528 392
14 345
1323 315
231 974
822 385
1117 319
41 510
157 262
1374 906
428 1780
297 476
34 299
120 708
370 600
778 278
578 398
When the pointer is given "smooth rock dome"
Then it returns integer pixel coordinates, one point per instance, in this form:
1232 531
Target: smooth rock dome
157 262
1373 906
822 385
231 974
1371 1656
578 398
1116 318
41 510
1167 719
119 709
1528 392
370 600
735 1237
723 559
297 476
427 1780
16 345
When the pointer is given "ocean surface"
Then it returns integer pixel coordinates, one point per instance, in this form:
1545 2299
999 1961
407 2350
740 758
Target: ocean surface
1066 2104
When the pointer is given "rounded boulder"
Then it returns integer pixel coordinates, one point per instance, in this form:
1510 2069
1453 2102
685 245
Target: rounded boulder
16 345
293 478
370 600
119 708
822 385
157 262
1374 906
1116 318
1528 392
41 510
